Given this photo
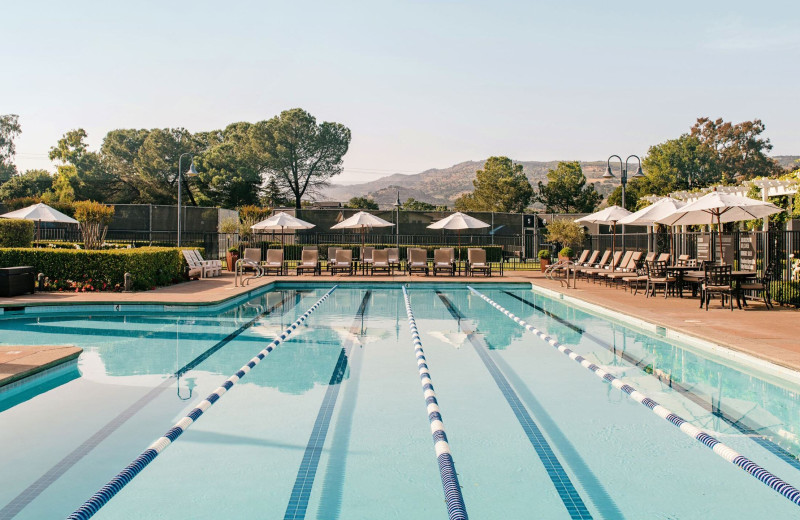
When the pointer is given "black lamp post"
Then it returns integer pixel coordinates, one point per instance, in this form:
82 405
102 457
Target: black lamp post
623 172
397 205
191 172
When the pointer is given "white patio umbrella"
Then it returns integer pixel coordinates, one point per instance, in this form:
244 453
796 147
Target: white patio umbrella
281 221
458 221
716 207
40 213
609 216
649 215
362 220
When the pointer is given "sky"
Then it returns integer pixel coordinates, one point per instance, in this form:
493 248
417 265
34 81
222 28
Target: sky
421 84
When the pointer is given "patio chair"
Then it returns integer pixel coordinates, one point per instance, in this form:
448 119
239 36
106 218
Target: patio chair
366 256
602 263
444 261
195 261
664 257
274 262
195 268
627 270
417 261
657 275
332 256
593 273
309 261
380 261
761 285
213 263
342 263
619 267
582 258
394 257
681 259
650 256
592 260
718 280
253 257
476 262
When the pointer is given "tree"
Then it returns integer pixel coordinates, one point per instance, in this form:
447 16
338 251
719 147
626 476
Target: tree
32 183
230 168
93 219
157 163
566 232
679 164
273 196
566 190
299 153
92 180
361 203
119 152
64 184
739 148
417 205
501 186
9 130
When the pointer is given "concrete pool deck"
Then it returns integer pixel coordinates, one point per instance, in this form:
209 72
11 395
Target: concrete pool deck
19 362
771 335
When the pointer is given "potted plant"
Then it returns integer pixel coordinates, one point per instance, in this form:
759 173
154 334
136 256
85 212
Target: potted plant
566 254
232 257
544 259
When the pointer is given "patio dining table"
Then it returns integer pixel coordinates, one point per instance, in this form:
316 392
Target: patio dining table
737 277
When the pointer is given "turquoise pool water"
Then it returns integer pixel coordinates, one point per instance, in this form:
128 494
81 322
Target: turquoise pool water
64 437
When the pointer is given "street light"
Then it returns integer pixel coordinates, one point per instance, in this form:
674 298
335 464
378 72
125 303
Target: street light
623 172
397 222
191 172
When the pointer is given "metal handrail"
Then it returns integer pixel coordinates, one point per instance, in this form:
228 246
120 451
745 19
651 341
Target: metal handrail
239 279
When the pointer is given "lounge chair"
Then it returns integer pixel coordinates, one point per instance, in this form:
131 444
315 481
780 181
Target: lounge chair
342 263
380 261
627 271
366 257
274 262
602 263
252 255
309 261
582 258
213 263
195 269
207 269
610 266
394 257
417 261
332 256
444 261
619 267
664 257
589 262
476 262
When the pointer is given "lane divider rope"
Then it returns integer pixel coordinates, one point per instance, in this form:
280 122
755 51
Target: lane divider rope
724 451
115 485
447 470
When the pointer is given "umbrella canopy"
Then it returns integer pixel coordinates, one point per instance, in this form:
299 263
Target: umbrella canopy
362 220
610 216
716 207
649 215
282 221
458 221
40 212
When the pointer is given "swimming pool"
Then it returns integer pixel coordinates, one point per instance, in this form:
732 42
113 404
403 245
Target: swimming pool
333 423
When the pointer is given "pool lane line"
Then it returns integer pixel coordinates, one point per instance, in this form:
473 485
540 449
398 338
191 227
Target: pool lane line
558 476
13 508
447 469
115 485
301 491
724 451
757 437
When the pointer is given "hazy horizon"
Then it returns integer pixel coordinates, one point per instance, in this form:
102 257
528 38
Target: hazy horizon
420 84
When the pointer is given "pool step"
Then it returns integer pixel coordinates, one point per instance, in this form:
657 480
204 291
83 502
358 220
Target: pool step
20 362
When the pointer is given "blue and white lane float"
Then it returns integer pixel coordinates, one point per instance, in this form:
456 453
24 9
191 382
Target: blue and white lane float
115 485
447 469
724 451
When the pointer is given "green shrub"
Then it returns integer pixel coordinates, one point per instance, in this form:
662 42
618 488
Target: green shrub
566 252
149 266
786 293
16 232
544 254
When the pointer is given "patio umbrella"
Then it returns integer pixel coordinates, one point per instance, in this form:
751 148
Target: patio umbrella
609 216
40 213
459 221
362 220
281 221
716 207
658 210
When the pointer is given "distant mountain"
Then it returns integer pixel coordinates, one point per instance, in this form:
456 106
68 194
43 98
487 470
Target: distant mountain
443 186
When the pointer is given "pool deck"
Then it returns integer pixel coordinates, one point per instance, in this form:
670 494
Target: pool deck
767 334
19 362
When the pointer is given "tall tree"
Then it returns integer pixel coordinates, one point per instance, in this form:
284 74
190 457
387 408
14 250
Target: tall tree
500 186
740 149
119 152
301 154
273 195
32 183
566 190
157 163
9 130
678 164
92 179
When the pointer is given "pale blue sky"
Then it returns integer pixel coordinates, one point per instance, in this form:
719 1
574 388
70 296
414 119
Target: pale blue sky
420 84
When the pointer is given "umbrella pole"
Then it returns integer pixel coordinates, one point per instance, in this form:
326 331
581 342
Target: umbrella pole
613 240
719 234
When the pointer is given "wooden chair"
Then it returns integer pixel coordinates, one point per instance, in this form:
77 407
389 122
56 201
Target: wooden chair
380 262
476 262
195 269
417 261
444 261
762 285
195 261
274 262
309 261
657 275
343 262
718 280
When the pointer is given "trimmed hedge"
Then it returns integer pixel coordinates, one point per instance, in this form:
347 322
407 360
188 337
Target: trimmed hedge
149 266
16 232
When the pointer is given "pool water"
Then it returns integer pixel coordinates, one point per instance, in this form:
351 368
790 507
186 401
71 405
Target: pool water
332 424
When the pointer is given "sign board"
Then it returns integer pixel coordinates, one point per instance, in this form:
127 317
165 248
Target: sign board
747 252
728 250
704 247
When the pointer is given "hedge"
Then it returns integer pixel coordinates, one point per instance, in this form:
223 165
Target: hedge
16 232
294 251
786 293
149 266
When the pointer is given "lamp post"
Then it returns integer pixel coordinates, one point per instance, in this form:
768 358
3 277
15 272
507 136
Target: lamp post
191 171
397 222
623 178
